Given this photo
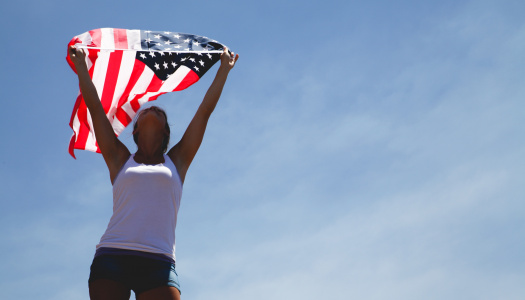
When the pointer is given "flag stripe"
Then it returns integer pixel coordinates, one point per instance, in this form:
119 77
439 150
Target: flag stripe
117 73
123 116
111 77
134 40
96 37
154 85
188 80
153 50
123 82
120 38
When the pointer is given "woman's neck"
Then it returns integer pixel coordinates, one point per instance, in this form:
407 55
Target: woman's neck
151 158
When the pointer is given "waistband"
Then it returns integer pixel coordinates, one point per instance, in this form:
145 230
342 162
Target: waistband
117 251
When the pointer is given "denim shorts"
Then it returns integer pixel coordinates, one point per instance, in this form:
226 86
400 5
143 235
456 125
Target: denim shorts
137 273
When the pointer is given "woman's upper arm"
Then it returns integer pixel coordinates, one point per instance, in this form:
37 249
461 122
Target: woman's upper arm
184 151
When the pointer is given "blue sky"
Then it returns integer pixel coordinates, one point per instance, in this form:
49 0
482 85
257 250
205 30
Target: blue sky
360 150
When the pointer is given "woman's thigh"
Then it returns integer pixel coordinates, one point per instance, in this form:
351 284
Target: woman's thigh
160 293
106 289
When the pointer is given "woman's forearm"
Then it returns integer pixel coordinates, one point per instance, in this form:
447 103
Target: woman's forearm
214 92
88 90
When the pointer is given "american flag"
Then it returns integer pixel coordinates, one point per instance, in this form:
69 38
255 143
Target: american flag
132 67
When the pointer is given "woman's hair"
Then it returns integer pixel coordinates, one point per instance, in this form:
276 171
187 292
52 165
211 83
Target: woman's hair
166 140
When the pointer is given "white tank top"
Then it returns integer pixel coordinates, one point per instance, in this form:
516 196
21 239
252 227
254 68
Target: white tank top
146 200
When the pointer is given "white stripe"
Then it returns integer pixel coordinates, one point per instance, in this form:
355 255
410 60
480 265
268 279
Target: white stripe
139 88
134 39
99 73
118 127
169 85
90 141
76 123
152 50
99 77
108 39
126 68
175 79
85 38
126 107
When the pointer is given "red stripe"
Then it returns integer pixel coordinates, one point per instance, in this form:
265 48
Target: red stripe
72 146
78 140
83 130
96 37
112 72
153 86
120 114
75 108
121 38
115 59
188 80
156 96
156 84
73 138
138 69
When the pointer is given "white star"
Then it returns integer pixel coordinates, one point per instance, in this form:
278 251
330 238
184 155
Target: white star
148 40
165 64
147 31
201 62
192 59
176 36
162 54
152 53
173 64
184 59
187 49
143 55
187 40
157 66
196 44
178 47
167 42
199 54
167 49
157 36
167 32
209 56
195 67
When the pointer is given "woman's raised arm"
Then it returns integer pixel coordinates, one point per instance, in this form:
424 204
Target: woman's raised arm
184 151
115 153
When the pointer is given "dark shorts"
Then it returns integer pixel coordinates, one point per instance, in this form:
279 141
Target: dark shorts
138 273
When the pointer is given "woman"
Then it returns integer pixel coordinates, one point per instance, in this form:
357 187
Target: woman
137 250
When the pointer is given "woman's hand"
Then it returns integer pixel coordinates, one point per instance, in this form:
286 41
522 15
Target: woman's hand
77 55
228 59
